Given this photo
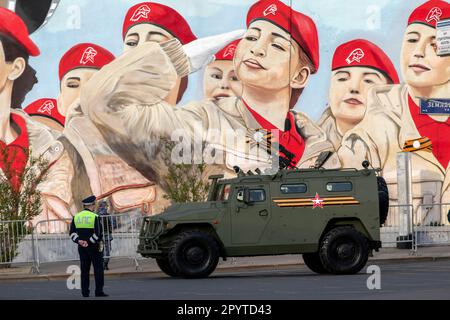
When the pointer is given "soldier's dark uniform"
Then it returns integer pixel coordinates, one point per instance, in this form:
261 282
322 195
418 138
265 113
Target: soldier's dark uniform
86 226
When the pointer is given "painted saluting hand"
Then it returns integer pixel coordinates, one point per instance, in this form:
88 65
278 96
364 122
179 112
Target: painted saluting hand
146 74
201 51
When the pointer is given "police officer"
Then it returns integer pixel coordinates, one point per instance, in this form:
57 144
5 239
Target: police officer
86 231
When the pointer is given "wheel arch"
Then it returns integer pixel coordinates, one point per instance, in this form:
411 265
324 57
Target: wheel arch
352 222
204 226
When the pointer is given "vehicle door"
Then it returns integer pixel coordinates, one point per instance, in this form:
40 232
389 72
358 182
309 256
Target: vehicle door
250 213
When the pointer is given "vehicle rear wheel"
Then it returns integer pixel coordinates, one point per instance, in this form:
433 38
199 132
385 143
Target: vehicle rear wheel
383 199
312 261
344 250
194 254
165 267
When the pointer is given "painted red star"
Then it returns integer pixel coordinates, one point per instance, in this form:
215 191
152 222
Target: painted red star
317 202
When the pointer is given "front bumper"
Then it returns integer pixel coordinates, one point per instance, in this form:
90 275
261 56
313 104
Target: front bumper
151 230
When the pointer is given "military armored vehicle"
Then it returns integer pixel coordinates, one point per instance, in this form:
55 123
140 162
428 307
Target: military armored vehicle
331 217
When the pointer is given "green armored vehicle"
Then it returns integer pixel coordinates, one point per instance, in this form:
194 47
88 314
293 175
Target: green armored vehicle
332 217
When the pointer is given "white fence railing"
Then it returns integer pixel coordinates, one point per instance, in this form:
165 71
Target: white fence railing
398 230
434 231
48 241
12 236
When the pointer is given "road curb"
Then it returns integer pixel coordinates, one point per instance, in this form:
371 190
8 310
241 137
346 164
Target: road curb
53 277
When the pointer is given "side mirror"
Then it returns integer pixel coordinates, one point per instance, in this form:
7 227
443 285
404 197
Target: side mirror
448 216
240 196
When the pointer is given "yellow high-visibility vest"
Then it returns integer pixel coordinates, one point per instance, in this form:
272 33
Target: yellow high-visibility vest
85 220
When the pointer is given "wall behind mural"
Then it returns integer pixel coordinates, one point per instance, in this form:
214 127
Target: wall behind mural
255 84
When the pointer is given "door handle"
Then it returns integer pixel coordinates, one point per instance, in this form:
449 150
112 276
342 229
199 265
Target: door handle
264 213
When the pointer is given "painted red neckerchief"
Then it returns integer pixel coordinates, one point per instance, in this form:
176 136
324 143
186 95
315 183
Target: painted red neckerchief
290 141
16 152
437 132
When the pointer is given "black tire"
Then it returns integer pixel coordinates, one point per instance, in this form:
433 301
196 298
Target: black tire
194 254
383 199
312 261
165 267
344 250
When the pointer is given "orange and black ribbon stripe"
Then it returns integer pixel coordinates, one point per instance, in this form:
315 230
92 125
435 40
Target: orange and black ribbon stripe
308 202
425 145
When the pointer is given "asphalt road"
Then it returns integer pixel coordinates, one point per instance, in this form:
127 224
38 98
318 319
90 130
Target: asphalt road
407 280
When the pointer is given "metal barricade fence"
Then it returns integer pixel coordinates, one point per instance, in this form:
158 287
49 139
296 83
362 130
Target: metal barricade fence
15 236
398 230
434 230
120 239
120 235
52 242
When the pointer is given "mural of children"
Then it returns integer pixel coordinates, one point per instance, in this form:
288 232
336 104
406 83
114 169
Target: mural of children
393 115
19 132
89 166
110 178
276 57
100 168
109 175
220 80
45 111
357 66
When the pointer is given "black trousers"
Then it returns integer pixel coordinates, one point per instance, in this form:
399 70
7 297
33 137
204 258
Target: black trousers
88 256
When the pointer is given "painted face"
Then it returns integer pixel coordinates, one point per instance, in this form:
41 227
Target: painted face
421 66
266 57
348 91
144 32
71 87
220 80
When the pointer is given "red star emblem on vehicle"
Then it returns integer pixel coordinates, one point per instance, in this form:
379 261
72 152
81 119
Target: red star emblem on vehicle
317 202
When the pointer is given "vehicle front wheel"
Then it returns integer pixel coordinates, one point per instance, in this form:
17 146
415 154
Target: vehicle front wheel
344 250
165 267
194 254
312 261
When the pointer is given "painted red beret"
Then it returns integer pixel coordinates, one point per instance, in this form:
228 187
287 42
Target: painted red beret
363 53
161 16
430 13
301 27
13 26
45 108
227 53
84 55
